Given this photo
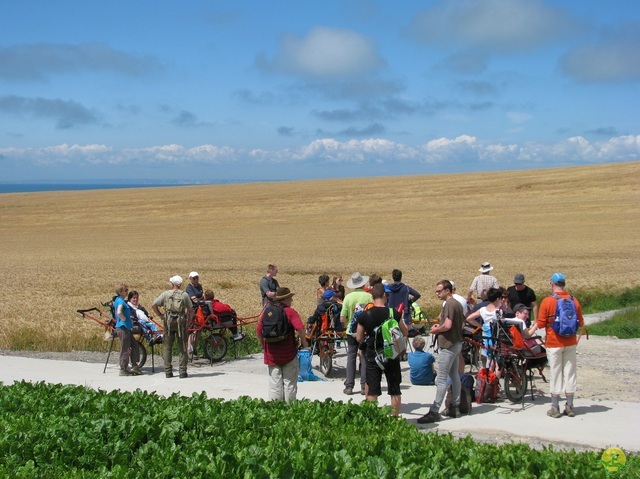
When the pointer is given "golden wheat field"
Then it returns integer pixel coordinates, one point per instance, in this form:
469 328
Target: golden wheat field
62 251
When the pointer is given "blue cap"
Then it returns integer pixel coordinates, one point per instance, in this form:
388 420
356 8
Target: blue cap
328 294
558 278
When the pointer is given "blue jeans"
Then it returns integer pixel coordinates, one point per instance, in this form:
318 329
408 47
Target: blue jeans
448 360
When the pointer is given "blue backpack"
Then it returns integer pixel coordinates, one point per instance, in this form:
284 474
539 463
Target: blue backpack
565 323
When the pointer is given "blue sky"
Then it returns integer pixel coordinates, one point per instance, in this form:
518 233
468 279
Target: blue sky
232 90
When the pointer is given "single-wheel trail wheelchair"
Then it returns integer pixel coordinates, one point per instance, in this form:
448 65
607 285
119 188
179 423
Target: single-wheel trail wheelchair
142 335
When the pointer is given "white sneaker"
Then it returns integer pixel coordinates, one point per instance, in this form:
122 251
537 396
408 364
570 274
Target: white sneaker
238 336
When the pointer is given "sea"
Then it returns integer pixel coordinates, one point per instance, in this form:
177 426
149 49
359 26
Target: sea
77 186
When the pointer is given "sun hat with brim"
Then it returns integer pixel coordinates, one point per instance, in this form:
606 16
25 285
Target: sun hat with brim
558 278
177 280
283 293
486 267
357 281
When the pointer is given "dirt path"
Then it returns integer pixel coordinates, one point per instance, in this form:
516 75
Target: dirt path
608 368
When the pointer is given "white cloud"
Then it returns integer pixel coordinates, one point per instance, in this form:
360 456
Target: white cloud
491 25
462 150
324 53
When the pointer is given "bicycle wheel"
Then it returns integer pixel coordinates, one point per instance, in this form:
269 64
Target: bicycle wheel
143 354
215 347
326 362
515 382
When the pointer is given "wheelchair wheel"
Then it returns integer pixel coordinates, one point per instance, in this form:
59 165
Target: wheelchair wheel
143 354
515 382
215 347
326 363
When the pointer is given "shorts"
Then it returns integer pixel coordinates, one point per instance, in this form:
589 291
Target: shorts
392 372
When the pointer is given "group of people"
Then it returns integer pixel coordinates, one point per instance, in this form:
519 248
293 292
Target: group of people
178 311
486 302
368 304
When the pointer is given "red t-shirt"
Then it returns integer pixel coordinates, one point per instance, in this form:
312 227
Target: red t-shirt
282 352
219 307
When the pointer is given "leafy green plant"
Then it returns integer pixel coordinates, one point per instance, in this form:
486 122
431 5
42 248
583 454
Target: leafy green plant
68 431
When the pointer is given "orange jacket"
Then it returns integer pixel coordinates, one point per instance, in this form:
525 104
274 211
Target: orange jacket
547 314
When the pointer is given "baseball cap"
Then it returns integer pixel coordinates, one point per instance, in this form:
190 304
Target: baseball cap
518 278
519 307
558 278
177 280
193 274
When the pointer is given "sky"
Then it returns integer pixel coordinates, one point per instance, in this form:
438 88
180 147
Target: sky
208 91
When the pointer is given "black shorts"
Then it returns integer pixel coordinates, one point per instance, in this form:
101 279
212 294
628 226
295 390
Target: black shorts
392 372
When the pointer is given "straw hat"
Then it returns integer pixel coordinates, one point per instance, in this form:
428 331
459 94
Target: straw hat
357 281
283 293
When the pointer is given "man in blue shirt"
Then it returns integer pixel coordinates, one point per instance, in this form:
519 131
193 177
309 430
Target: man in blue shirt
421 364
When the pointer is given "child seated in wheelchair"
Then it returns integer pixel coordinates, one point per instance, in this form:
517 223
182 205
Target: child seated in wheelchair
223 312
142 317
330 309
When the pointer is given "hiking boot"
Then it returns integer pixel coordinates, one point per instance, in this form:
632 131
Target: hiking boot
453 412
169 374
430 417
135 370
568 411
125 372
554 412
184 375
348 391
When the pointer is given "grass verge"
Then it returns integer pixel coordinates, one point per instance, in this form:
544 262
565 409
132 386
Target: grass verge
623 325
597 300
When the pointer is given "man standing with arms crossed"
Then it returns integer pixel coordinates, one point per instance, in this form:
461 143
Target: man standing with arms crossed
178 311
269 284
449 331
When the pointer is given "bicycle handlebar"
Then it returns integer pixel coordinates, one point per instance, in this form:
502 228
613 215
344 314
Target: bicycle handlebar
82 311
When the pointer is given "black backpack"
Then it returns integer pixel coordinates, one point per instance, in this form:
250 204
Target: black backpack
275 325
466 395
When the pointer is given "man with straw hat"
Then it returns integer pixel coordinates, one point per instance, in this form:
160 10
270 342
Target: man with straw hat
277 327
482 282
358 297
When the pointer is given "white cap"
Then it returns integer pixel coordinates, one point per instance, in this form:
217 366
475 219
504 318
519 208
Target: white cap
193 274
177 280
